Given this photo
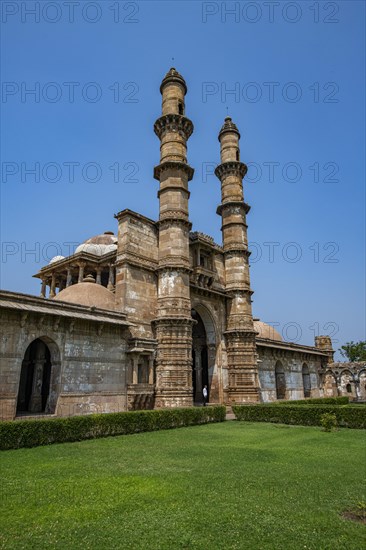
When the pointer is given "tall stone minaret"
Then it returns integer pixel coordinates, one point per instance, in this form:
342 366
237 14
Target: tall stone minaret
173 325
240 334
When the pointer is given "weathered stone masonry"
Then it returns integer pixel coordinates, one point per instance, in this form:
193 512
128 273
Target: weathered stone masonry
147 317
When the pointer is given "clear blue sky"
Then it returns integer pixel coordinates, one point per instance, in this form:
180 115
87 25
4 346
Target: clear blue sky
297 75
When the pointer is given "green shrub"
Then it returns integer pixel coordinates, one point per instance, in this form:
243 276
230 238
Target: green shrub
15 434
328 421
306 415
315 401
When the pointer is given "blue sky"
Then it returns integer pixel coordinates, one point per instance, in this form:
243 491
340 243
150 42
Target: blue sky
291 75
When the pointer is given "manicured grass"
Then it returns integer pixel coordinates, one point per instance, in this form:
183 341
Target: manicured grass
219 486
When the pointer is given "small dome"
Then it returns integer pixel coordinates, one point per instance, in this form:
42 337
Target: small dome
108 237
56 259
96 249
266 331
99 245
87 294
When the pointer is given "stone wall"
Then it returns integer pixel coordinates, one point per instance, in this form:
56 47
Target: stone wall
136 280
88 361
345 379
292 363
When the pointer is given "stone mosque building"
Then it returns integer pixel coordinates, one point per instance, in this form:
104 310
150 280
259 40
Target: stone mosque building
147 317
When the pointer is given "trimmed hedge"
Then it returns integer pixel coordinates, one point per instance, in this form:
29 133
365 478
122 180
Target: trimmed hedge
303 415
15 434
314 401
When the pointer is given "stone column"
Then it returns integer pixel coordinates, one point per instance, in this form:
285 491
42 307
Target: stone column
135 371
356 380
43 288
98 279
53 286
81 273
69 277
151 369
35 402
339 385
61 284
110 285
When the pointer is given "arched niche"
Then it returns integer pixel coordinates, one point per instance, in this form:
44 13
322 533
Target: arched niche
39 377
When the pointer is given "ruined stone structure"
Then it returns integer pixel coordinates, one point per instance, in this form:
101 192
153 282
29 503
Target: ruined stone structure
147 317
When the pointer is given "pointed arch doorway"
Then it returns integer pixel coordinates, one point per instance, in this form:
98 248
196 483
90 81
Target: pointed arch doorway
35 379
203 355
199 356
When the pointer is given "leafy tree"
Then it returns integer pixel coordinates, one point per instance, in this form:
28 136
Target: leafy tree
354 351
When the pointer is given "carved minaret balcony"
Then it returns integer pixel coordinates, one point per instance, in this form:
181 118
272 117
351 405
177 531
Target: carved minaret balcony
240 333
173 324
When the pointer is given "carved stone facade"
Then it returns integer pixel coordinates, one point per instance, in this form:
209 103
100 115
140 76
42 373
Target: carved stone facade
149 316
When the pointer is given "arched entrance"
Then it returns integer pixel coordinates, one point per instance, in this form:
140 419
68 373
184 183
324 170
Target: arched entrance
280 381
200 376
35 379
347 385
306 380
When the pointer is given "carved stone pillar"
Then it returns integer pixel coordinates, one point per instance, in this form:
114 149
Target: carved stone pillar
135 369
98 279
339 386
81 273
43 288
35 403
151 369
53 286
110 285
357 387
68 277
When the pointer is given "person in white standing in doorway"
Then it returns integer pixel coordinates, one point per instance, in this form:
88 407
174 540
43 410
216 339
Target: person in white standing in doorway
205 394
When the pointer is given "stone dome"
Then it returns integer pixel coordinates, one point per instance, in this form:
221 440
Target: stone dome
56 259
266 331
99 245
87 294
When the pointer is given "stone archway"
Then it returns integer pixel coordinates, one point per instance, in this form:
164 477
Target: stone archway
347 385
38 379
280 381
203 355
306 382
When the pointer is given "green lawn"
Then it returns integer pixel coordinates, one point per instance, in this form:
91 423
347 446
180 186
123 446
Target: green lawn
229 485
